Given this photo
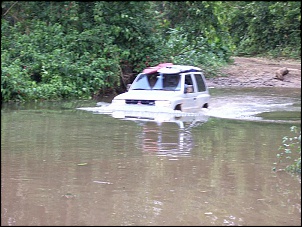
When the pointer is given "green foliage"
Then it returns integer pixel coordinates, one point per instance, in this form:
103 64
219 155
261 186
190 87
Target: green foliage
209 55
71 49
69 53
134 30
265 28
67 65
205 44
291 146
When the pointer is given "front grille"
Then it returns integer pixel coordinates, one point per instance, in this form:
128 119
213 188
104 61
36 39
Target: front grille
140 102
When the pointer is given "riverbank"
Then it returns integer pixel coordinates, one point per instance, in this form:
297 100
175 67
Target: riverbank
258 72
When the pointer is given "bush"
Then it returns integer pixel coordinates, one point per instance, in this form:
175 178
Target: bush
289 146
49 64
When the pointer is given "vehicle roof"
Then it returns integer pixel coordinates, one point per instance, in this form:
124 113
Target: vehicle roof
179 69
154 69
169 68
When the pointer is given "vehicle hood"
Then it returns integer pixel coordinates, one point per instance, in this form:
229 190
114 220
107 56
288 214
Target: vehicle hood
148 95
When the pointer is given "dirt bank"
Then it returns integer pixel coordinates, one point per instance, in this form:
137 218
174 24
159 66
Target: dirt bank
257 72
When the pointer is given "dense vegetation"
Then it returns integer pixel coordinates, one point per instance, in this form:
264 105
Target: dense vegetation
71 49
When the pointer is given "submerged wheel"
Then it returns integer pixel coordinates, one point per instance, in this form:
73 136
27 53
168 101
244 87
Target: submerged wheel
178 107
206 105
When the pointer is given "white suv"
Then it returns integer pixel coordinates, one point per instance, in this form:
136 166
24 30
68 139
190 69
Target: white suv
175 87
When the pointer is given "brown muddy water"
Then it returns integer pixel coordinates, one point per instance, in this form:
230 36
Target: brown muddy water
61 166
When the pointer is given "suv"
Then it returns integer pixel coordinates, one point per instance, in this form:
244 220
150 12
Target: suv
168 86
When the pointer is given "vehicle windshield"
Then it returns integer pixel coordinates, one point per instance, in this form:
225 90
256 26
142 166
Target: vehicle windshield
156 81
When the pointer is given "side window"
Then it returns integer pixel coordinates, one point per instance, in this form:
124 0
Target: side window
188 81
200 83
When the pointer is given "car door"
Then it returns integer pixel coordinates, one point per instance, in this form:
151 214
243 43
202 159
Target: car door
189 97
203 96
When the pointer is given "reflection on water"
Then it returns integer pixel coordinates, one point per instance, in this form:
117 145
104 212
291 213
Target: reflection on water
63 166
166 139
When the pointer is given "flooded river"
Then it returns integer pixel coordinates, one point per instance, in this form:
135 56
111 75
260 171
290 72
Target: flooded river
66 166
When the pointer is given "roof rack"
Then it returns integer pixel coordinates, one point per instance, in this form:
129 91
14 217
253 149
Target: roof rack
179 69
169 68
154 69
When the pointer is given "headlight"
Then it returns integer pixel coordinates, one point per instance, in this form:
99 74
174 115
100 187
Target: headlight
163 103
118 101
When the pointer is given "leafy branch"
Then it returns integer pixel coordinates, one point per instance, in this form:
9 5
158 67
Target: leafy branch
289 146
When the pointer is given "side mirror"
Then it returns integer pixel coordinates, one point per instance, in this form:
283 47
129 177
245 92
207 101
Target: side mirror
128 86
